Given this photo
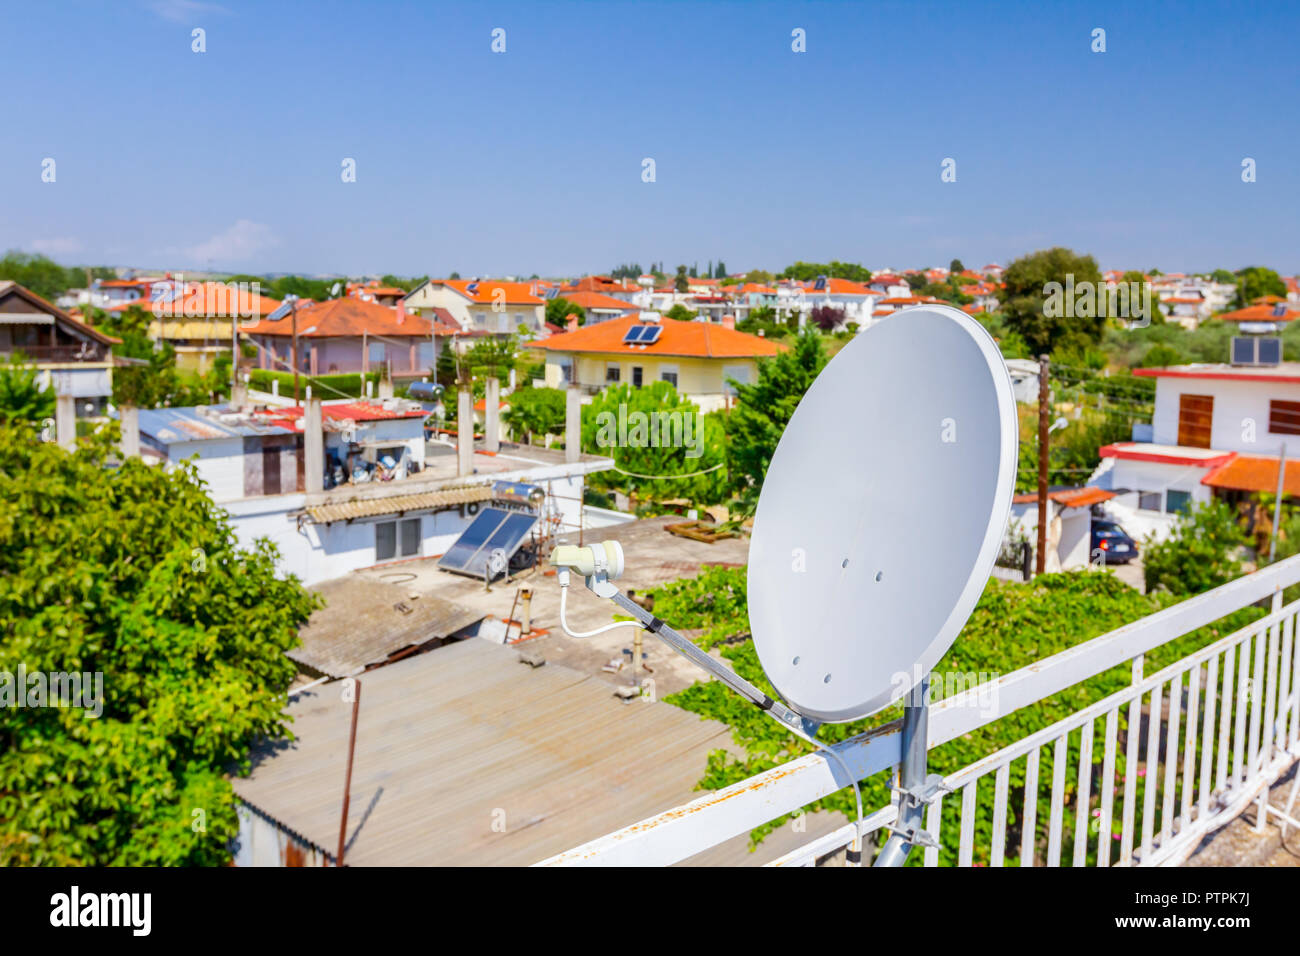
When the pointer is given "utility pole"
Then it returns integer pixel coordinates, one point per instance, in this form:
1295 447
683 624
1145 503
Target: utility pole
1277 504
1040 562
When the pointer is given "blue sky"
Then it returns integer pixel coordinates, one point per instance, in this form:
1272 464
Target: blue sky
530 160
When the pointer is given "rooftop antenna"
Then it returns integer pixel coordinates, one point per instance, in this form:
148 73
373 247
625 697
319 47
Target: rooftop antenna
853 599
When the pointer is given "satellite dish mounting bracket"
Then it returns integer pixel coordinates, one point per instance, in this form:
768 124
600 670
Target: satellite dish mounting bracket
600 585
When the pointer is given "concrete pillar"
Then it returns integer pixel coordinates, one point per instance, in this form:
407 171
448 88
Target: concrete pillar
385 388
465 432
492 428
572 424
65 421
130 431
313 444
239 396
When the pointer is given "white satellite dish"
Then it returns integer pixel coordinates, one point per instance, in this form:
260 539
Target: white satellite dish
878 524
882 513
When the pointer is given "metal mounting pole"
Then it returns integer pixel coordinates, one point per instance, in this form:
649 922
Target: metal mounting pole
916 789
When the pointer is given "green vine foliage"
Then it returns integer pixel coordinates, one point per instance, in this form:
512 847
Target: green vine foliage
132 572
1013 625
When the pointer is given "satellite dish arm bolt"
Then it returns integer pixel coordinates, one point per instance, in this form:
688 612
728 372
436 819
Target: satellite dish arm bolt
916 788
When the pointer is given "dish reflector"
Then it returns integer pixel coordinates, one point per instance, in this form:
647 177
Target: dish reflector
882 513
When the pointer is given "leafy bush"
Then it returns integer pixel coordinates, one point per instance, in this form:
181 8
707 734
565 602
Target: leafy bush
133 573
1013 625
1200 554
322 386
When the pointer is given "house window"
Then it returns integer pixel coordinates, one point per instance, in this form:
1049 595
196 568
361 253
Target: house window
1177 502
636 375
1284 418
612 372
566 371
1149 500
397 539
376 350
738 373
668 373
1195 413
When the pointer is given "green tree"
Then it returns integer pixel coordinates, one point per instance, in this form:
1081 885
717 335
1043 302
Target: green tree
682 283
535 411
1256 281
720 271
762 409
45 277
1200 553
955 267
1026 291
680 313
654 431
559 309
21 397
130 572
805 271
1222 276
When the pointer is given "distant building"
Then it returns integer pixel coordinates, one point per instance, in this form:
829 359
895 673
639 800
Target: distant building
352 335
485 306
73 358
697 358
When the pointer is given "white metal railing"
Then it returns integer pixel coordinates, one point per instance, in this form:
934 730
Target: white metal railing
1203 738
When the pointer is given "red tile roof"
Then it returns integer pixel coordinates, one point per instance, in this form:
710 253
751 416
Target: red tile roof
687 339
1260 313
1254 473
516 293
1070 497
596 300
358 411
206 300
351 316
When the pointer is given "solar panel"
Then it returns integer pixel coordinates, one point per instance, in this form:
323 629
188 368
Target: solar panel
1279 309
1270 351
491 529
633 335
1243 351
650 335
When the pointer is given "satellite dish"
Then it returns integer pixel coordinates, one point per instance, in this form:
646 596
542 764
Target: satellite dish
882 513
334 289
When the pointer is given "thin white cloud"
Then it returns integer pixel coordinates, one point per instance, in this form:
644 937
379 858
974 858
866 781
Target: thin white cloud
183 11
57 247
241 242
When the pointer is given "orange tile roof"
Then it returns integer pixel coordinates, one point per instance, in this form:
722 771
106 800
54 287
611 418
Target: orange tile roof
1259 313
1254 473
686 339
351 316
597 300
516 293
206 299
844 287
1070 497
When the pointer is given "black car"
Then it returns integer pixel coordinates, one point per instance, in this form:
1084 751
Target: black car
1111 544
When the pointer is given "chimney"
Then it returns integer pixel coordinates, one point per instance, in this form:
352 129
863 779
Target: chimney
573 323
465 432
572 424
130 431
65 421
728 321
313 441
492 417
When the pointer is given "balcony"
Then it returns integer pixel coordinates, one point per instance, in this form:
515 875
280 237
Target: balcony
1205 737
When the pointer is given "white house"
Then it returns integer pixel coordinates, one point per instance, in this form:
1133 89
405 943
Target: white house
368 490
1217 431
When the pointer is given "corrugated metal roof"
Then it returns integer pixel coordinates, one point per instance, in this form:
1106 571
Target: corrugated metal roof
364 621
172 425
465 756
395 504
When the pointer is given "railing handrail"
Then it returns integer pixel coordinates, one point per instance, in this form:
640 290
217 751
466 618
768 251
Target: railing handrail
683 831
